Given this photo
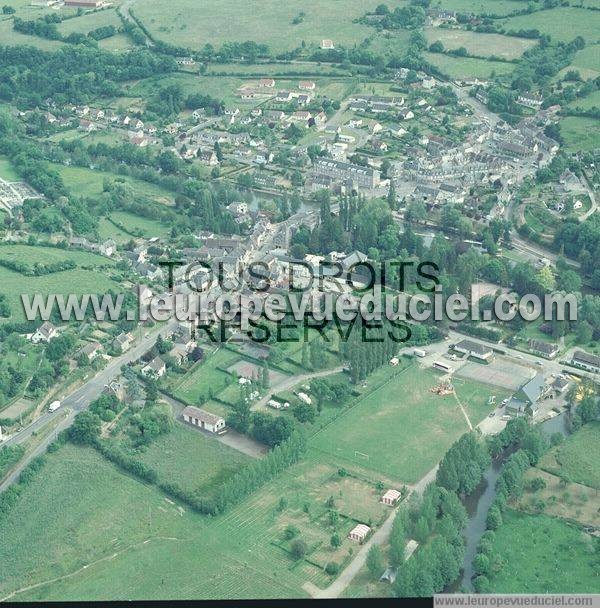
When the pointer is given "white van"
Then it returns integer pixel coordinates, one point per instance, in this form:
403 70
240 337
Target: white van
54 406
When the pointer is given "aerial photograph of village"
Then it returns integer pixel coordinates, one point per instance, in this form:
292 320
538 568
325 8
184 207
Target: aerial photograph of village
299 301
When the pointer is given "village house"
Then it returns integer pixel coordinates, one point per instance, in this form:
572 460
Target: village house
266 82
90 351
44 333
545 349
530 100
306 85
203 420
87 126
123 342
327 44
156 368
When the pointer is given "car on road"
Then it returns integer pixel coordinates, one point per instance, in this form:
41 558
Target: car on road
492 414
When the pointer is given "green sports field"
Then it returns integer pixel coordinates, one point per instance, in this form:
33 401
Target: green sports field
385 431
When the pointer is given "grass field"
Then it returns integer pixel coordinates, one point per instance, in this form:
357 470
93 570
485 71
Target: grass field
481 45
7 171
385 431
147 227
204 376
193 461
88 182
183 24
90 21
580 134
116 538
550 557
467 67
586 61
562 24
578 457
10 37
496 7
74 281
587 102
29 254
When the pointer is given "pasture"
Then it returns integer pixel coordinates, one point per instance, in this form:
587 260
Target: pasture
580 133
90 21
182 23
36 254
385 430
551 556
480 45
88 182
578 457
76 281
495 7
468 67
561 24
124 540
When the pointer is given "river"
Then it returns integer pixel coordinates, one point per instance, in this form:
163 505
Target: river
479 502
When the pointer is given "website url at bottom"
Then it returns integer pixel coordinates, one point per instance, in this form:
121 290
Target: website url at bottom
495 600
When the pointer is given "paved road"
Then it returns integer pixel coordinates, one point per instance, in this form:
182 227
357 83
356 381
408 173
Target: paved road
80 399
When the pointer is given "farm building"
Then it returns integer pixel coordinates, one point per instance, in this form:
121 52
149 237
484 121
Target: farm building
359 532
307 85
390 498
204 420
474 349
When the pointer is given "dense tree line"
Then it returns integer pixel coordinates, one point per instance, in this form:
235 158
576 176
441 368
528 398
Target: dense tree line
463 465
72 74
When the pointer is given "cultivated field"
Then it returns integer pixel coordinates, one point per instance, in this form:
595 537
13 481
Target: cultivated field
481 45
385 431
550 557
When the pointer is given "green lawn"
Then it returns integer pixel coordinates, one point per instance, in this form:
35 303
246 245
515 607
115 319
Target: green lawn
562 24
180 22
206 376
587 102
481 45
467 67
578 457
402 429
193 461
550 556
